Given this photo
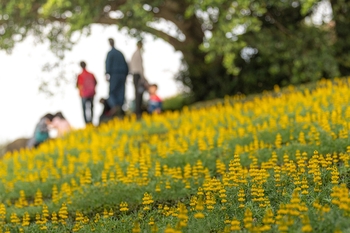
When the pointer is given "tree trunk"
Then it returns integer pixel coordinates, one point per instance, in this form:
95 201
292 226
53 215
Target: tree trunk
341 12
206 80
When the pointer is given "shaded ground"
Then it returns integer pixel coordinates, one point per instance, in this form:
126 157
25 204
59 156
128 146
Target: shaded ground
13 146
2 149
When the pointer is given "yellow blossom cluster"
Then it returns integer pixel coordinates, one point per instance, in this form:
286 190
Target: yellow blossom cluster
274 162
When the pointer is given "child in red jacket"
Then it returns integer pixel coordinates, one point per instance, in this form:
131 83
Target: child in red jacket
154 103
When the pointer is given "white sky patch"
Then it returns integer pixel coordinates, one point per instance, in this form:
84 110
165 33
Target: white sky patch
116 14
322 15
168 27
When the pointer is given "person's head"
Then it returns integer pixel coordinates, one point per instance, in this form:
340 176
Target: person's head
83 64
111 42
48 117
152 89
59 115
139 44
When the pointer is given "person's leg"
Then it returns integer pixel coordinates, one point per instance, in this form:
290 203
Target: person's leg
116 93
151 106
159 107
120 89
140 98
91 109
112 90
84 101
135 79
138 95
31 142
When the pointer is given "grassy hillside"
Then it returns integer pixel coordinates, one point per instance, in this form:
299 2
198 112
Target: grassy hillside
2 149
275 162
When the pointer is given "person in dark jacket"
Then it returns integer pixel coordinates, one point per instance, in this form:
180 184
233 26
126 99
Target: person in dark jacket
116 72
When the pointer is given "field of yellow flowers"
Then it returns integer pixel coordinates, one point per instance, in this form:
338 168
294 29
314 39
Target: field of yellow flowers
278 162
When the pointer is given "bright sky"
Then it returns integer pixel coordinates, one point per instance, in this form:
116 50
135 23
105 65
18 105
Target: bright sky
22 104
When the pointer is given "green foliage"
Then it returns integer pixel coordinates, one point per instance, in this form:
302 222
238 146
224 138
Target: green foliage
342 45
275 63
177 102
227 46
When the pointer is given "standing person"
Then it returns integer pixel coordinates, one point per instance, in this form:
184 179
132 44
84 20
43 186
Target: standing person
41 132
86 84
116 72
140 82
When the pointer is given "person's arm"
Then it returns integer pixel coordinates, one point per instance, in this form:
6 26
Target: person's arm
141 66
109 61
95 79
77 84
142 74
54 123
132 63
145 82
43 125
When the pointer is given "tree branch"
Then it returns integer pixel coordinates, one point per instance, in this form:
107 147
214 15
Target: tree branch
174 12
178 45
279 25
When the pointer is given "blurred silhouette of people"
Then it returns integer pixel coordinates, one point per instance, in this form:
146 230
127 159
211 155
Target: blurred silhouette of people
116 72
60 123
154 103
86 84
140 82
41 132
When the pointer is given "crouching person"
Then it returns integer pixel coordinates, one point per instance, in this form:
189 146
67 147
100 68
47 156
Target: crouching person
41 132
105 116
60 123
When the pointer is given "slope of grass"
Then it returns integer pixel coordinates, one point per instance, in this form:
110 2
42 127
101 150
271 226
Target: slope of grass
275 162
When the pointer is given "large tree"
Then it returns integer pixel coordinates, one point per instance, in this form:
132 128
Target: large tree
276 43
56 20
227 46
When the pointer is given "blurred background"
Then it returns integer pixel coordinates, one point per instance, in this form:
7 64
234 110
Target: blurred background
24 97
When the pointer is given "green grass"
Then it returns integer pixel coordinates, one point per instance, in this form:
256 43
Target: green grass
125 146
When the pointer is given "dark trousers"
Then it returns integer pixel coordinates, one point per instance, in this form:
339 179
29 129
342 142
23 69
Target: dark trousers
116 90
139 89
88 109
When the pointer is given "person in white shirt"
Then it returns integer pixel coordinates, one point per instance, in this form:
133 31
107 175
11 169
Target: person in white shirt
140 82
